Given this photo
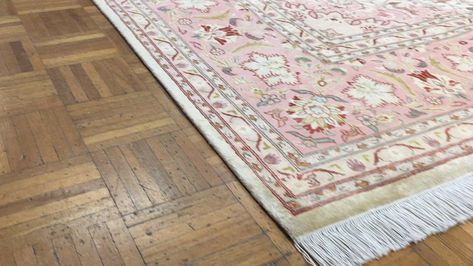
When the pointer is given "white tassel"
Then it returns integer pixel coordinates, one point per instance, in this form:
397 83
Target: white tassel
375 233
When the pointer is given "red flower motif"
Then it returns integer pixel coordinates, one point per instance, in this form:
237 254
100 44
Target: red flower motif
220 34
424 75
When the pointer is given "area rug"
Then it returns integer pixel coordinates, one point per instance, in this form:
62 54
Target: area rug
350 121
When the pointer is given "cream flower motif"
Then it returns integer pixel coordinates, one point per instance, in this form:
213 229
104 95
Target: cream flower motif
272 69
462 63
315 114
438 84
201 5
371 92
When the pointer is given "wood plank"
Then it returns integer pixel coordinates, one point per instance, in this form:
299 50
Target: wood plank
257 251
51 208
135 190
4 163
271 229
6 253
65 251
74 49
172 167
149 167
85 247
115 185
407 256
120 119
202 242
11 27
207 199
18 56
145 180
182 222
460 242
437 253
124 243
43 249
23 252
106 248
31 6
39 184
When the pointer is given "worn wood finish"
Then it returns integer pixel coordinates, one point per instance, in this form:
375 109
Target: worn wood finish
98 166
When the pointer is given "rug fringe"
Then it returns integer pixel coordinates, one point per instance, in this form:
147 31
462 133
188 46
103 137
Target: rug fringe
391 227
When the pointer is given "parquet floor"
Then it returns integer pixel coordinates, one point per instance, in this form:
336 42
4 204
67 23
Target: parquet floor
99 167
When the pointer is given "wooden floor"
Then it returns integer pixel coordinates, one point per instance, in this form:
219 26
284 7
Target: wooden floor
99 167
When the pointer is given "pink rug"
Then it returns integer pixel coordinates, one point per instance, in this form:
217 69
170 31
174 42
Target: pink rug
350 121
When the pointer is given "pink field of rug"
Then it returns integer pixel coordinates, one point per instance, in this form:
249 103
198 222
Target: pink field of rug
349 121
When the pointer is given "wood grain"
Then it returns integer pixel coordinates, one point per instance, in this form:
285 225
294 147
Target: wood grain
98 166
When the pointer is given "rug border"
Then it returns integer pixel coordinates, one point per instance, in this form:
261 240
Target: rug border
244 173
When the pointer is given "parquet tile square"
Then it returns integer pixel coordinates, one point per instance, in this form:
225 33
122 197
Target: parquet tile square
17 57
94 80
201 225
56 23
52 194
151 171
39 137
120 119
27 92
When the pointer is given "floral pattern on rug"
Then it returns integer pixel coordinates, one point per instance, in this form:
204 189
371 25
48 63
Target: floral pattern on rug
322 102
